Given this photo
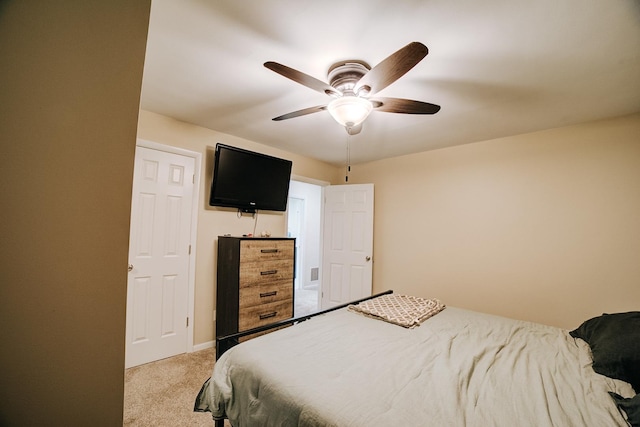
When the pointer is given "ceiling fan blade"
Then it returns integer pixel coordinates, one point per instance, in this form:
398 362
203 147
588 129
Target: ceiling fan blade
404 106
392 68
302 78
299 113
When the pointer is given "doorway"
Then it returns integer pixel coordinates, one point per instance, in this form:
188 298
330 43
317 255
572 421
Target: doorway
304 219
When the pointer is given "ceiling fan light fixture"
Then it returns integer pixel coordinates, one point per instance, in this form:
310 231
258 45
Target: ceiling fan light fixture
350 111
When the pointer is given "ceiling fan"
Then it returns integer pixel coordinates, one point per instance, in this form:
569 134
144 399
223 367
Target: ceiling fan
352 82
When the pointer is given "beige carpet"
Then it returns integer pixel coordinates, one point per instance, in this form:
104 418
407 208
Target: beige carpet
306 302
162 393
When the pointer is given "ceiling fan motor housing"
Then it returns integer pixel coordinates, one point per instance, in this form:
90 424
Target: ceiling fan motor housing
345 74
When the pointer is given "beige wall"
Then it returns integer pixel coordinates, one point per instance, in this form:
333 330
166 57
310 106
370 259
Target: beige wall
69 96
213 221
542 227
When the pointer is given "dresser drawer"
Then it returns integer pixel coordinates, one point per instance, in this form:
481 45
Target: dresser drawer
264 293
265 271
263 250
264 314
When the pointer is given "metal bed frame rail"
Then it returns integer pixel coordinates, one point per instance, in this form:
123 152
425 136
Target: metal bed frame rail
224 343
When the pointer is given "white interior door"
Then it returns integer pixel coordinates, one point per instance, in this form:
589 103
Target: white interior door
347 243
159 251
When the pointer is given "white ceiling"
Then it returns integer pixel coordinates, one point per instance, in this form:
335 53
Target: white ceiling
497 68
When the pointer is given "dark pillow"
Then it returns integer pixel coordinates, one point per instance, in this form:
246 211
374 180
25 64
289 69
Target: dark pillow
615 344
630 406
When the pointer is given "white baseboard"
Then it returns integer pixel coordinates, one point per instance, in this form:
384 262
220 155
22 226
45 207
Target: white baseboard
204 346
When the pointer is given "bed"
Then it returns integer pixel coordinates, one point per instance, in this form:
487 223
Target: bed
457 368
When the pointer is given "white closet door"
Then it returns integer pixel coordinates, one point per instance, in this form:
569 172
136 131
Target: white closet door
159 251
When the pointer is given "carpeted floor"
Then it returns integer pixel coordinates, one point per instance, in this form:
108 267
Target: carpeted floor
162 393
306 302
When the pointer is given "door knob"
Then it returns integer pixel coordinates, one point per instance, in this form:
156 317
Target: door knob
130 268
368 258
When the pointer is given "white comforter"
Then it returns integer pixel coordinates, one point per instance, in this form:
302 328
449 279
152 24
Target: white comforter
459 368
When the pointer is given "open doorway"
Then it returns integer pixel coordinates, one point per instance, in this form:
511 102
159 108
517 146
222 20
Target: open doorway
304 219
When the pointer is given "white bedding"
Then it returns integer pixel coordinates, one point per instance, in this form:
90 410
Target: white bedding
459 368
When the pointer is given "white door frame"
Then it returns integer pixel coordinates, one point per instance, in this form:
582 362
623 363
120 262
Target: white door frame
194 224
322 185
300 242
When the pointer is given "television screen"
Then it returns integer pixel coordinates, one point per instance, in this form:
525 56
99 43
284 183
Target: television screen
249 181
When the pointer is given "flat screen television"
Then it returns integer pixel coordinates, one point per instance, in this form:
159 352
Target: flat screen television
249 181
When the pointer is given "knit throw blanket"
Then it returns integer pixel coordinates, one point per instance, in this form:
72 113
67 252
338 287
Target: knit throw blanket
402 310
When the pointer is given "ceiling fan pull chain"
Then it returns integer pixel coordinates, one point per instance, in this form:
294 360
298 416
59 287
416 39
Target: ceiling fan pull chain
346 178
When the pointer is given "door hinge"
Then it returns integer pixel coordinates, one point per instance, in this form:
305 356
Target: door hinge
187 322
193 179
189 249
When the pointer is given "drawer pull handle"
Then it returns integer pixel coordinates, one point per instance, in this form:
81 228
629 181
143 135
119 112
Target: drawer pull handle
268 315
266 273
268 294
269 251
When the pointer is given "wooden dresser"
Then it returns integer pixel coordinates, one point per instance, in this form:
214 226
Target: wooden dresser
255 282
